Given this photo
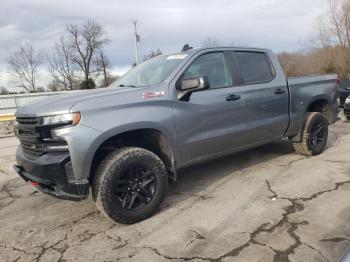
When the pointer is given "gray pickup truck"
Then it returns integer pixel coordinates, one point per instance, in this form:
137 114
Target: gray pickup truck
126 141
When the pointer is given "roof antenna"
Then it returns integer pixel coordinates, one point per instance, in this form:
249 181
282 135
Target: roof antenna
186 47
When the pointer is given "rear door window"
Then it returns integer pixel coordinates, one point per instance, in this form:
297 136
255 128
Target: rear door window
254 67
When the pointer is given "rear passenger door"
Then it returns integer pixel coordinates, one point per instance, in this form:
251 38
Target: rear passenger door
265 96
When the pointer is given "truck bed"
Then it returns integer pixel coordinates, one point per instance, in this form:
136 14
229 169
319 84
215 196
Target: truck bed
302 80
302 89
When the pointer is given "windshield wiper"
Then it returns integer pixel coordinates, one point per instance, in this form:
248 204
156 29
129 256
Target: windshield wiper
122 85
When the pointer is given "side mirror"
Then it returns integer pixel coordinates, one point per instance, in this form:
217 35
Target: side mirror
193 83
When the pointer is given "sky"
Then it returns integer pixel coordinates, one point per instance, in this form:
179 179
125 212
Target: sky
280 25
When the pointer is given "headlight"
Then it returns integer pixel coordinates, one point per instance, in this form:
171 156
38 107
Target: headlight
347 101
62 119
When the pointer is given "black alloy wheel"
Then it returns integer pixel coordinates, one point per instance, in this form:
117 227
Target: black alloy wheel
313 135
317 135
136 188
129 184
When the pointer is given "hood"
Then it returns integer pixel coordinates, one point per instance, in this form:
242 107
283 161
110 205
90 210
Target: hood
58 104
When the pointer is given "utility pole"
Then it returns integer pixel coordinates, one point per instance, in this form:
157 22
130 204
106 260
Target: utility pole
137 41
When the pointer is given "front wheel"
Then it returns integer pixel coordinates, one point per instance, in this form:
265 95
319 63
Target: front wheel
130 184
314 135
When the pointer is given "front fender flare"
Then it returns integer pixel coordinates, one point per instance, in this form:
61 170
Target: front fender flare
104 136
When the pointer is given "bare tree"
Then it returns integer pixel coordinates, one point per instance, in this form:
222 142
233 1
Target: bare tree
103 64
53 86
86 41
152 54
23 67
334 35
112 78
3 90
41 89
210 42
334 24
62 67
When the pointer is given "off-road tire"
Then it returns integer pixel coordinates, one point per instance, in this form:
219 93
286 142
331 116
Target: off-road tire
348 118
305 147
111 169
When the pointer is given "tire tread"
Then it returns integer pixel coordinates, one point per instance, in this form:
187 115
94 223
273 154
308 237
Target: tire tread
102 177
302 146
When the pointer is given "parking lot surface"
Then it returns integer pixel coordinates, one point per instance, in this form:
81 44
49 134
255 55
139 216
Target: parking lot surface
265 204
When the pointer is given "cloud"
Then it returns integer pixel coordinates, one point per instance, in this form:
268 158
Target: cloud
168 25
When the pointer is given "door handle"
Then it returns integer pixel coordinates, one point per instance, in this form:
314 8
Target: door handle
279 91
233 97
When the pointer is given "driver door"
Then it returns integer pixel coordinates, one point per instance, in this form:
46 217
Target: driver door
211 121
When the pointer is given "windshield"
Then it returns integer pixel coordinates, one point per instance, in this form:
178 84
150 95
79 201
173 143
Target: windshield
150 72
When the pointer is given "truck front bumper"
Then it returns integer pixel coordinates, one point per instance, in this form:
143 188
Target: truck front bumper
52 174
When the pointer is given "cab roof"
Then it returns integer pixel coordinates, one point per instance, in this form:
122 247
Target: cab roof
237 48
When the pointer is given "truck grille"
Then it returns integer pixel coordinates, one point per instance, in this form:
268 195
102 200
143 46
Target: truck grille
26 129
28 120
33 149
36 139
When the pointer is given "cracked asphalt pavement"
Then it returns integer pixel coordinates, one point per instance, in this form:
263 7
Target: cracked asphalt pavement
265 204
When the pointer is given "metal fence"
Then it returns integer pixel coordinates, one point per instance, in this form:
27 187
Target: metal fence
10 103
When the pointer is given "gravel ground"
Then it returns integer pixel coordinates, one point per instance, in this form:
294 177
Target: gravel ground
6 128
265 204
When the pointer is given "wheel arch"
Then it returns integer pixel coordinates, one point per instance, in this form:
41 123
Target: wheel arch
150 137
322 105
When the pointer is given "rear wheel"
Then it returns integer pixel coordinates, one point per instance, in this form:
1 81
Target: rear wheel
130 184
314 135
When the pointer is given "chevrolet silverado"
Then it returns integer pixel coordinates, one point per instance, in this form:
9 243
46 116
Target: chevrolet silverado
123 143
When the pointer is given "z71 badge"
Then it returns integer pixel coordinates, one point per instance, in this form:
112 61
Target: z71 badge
153 94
